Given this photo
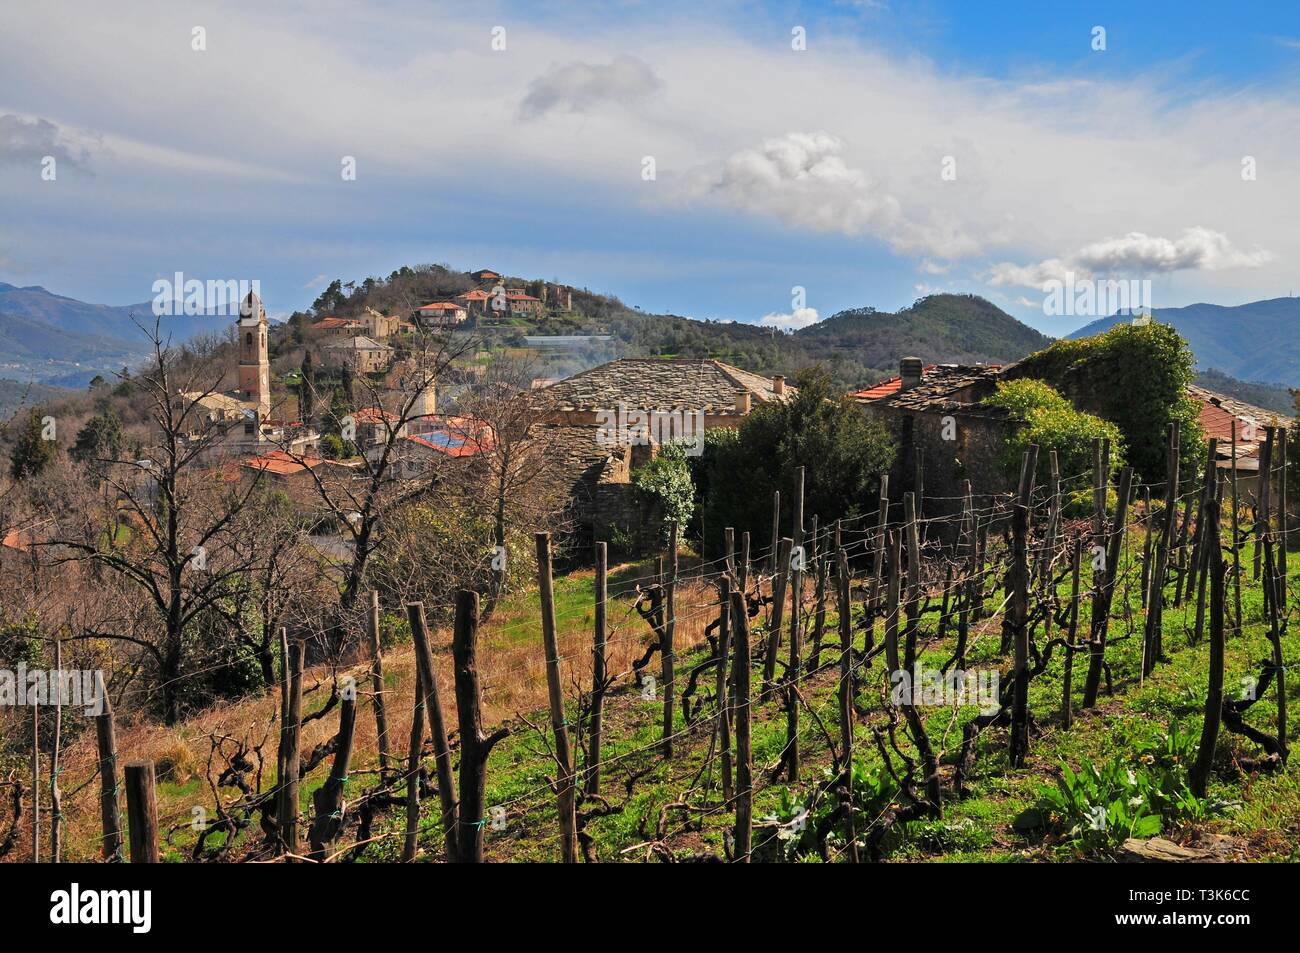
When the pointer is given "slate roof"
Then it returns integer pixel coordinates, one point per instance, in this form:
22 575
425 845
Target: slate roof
654 384
938 391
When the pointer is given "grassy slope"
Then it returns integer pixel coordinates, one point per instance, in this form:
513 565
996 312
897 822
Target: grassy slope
639 786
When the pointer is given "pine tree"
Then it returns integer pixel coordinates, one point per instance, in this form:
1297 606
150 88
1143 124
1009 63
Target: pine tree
32 452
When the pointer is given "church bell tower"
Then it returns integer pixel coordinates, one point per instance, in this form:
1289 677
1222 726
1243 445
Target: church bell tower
254 364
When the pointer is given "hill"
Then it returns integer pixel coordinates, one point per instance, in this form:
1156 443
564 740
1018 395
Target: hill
1253 342
59 340
941 328
857 346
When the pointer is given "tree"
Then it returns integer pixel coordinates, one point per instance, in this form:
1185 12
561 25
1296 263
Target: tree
361 499
169 536
307 389
666 482
842 452
33 447
100 441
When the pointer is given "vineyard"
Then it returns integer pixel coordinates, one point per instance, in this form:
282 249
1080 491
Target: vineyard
1087 668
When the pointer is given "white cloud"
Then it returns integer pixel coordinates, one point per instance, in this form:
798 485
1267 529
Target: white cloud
802 179
314 283
1135 255
580 87
31 140
800 318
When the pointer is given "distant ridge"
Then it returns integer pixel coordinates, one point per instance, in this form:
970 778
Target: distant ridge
1253 342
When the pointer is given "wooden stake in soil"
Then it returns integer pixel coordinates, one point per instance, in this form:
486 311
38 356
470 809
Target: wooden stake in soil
744 747
1018 625
564 782
598 675
1236 536
56 798
110 812
778 611
142 812
668 652
437 725
377 684
1067 679
290 741
723 727
415 746
475 743
1214 694
36 782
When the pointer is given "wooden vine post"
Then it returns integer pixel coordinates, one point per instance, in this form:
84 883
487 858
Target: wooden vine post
142 812
414 748
797 568
56 797
437 725
784 548
720 683
1018 624
1105 580
110 810
744 745
290 742
377 684
1214 568
598 674
475 743
564 782
667 652
1151 641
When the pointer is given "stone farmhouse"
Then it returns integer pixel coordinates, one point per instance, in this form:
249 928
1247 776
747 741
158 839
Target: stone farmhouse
603 423
363 354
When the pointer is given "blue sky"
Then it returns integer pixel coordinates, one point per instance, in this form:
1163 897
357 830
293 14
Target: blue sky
909 147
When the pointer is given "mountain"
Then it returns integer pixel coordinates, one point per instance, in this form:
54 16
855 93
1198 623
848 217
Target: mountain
1252 342
59 340
941 329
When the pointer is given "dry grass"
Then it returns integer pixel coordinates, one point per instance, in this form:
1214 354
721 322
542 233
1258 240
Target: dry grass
512 673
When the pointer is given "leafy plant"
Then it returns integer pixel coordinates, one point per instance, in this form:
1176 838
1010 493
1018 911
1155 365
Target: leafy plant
1099 807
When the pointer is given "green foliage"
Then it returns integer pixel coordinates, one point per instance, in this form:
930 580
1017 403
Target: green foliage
99 440
666 482
1098 808
1051 422
843 454
334 447
31 452
1136 377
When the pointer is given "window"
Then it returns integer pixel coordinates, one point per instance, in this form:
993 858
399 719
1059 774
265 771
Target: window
248 339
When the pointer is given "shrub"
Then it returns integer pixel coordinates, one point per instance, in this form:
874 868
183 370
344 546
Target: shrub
1135 377
1051 422
666 483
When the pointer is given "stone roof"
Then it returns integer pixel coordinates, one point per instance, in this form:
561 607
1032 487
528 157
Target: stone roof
941 389
359 343
654 384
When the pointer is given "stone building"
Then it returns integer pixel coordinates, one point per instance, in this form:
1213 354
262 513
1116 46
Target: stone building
365 355
936 415
603 423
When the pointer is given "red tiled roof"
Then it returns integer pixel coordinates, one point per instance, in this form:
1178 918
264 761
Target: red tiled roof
475 295
520 296
277 461
442 306
325 324
373 415
889 386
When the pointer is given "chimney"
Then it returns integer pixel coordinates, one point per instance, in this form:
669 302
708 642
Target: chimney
742 401
568 301
909 369
778 385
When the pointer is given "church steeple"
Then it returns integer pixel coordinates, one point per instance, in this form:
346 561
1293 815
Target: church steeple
254 363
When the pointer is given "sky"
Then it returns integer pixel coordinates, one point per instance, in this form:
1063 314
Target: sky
758 162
